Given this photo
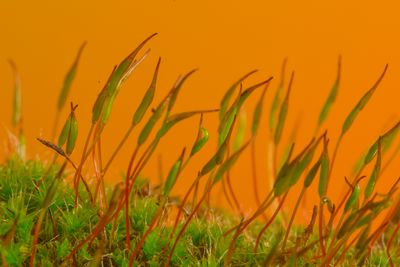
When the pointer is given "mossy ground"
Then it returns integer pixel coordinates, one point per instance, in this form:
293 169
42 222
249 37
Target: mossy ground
203 243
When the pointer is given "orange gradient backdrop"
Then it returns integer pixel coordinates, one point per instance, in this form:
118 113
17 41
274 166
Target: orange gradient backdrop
224 39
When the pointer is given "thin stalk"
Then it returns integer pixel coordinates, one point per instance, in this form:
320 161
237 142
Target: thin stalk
292 218
348 192
130 180
335 232
374 236
232 246
245 224
100 179
196 191
264 205
230 187
116 151
141 163
390 160
331 253
389 244
186 196
103 188
112 235
127 191
270 163
335 151
100 226
208 198
270 221
83 180
97 174
224 190
36 237
327 260
100 154
254 171
333 250
139 245
180 209
343 254
321 209
320 229
184 228
342 203
80 166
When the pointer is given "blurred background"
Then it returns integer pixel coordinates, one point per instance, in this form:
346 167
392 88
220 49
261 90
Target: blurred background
224 39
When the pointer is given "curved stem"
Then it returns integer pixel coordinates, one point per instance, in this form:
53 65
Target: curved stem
116 151
335 232
264 205
127 191
346 249
184 228
254 171
271 164
230 187
338 143
269 223
80 166
241 228
83 180
321 229
321 209
182 205
224 190
97 171
292 218
389 244
139 245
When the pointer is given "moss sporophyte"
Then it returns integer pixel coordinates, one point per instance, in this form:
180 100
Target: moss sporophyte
61 212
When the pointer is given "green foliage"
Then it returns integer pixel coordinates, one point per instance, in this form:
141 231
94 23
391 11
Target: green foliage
331 97
69 78
361 104
148 97
283 113
201 140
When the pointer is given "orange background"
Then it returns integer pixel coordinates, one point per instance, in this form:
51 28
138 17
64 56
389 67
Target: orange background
224 39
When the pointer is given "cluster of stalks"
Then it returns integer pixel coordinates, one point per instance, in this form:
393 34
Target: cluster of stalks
334 228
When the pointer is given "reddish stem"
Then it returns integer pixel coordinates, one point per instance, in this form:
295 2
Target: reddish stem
269 223
254 171
79 169
292 218
230 187
224 190
184 228
343 254
139 245
185 198
127 190
390 244
320 229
